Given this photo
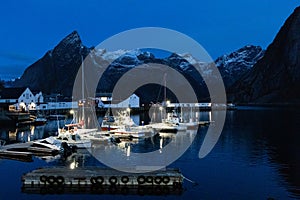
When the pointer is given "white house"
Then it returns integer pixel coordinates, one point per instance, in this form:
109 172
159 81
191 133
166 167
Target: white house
21 98
131 102
39 98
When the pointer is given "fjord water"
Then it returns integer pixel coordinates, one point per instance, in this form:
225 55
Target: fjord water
256 157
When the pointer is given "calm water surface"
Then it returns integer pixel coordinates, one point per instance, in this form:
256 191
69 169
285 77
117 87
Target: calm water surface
256 157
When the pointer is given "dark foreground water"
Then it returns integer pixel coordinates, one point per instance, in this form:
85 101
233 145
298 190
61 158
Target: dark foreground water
256 157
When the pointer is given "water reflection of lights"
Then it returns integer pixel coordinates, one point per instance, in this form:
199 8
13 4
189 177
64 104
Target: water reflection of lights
128 151
73 164
32 130
161 144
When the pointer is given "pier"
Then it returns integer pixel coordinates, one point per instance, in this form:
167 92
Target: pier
102 180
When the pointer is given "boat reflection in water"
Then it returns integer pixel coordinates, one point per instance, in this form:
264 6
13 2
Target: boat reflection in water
22 134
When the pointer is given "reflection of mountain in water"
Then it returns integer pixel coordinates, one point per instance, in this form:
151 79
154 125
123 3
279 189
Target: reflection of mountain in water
267 137
283 139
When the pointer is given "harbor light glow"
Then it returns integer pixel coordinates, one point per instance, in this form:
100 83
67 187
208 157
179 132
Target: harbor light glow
73 165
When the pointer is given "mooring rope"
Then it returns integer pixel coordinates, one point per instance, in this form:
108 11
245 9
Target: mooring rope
193 182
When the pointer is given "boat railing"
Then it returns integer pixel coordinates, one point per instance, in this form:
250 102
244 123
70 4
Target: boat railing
2 143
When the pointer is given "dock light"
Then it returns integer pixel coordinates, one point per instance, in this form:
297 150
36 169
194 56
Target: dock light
72 112
73 165
168 102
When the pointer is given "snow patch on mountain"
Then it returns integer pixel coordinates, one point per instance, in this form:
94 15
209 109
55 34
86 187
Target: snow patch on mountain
245 57
237 63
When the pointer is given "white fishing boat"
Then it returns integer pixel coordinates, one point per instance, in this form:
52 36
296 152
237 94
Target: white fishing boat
77 128
191 124
171 124
75 140
49 143
128 132
166 127
116 122
97 137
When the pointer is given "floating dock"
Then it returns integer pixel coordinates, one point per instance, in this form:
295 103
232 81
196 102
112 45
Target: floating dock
102 180
205 123
20 156
24 151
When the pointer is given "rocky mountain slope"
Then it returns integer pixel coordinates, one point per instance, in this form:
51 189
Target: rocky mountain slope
276 77
55 72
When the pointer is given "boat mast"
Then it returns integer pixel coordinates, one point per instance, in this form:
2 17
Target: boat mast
165 95
57 121
82 87
165 91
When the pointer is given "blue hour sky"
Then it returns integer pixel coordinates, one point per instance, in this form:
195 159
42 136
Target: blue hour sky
30 28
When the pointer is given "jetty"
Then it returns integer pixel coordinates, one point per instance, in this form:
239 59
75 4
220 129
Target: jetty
25 151
102 180
19 156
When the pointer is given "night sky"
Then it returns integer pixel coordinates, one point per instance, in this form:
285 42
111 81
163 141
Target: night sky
30 28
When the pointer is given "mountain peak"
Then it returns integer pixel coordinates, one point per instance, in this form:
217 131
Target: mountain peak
68 49
55 72
72 38
70 42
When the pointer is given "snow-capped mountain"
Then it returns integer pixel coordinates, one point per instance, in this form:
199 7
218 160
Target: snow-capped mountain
57 70
235 64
